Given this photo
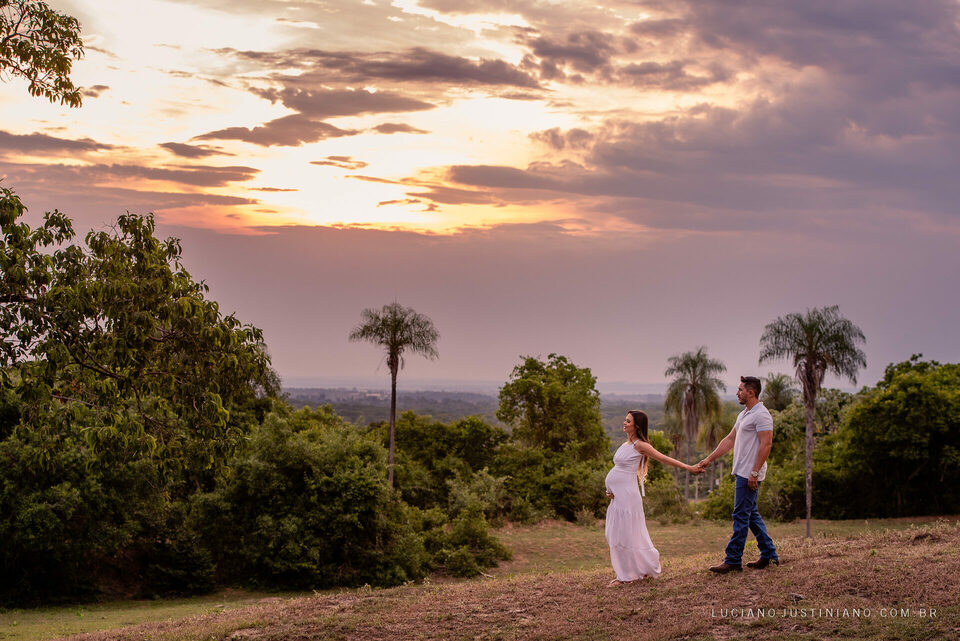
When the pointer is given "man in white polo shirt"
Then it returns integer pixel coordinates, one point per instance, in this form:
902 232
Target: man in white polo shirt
751 439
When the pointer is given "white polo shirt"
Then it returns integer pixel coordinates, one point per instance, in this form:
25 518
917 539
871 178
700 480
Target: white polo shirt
749 422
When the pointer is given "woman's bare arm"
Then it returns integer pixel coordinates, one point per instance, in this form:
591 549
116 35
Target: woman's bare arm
648 450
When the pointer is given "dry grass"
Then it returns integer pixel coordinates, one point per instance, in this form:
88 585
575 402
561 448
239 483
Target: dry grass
916 567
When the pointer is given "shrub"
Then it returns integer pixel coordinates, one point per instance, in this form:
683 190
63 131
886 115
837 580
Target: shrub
578 486
483 489
665 502
309 509
719 505
69 519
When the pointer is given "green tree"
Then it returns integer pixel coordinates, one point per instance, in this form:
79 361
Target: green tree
40 45
118 327
693 394
554 405
396 329
778 391
818 341
907 428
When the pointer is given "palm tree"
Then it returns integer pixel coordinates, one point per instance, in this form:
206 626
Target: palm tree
693 394
819 341
778 392
714 428
396 329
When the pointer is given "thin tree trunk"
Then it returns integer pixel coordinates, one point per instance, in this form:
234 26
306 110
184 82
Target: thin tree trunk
712 478
686 477
393 422
810 409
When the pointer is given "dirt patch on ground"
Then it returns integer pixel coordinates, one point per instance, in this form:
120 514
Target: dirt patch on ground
823 589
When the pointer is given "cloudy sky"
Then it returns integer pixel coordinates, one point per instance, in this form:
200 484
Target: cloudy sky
617 182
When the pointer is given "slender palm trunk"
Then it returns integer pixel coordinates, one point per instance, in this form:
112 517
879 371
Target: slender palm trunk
690 433
712 478
393 422
810 404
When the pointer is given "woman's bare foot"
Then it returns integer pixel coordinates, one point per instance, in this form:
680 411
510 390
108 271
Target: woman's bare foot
617 583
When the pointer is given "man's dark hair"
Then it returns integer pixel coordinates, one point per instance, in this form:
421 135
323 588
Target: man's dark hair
751 382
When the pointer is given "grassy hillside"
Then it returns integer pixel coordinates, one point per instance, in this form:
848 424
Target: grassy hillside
842 584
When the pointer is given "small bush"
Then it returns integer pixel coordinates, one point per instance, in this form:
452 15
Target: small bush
470 530
719 505
578 486
483 489
664 501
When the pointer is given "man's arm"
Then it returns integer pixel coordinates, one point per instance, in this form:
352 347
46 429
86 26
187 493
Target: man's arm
722 448
766 442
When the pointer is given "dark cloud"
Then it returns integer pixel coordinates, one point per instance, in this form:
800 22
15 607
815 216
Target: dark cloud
193 151
343 162
37 143
887 41
674 75
557 139
419 65
272 189
288 131
404 201
329 103
94 92
454 196
398 128
79 192
375 179
584 51
193 175
659 28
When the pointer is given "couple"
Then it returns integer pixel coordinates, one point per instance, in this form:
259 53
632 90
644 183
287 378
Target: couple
631 551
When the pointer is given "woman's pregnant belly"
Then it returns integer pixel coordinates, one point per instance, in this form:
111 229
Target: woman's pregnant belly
622 483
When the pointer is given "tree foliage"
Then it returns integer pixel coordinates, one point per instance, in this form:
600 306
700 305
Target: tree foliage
117 327
901 441
554 405
778 392
307 506
40 45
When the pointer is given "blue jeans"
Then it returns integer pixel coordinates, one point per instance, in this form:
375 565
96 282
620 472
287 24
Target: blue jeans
746 517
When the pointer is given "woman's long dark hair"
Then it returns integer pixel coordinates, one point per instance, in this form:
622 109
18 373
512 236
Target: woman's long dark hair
641 424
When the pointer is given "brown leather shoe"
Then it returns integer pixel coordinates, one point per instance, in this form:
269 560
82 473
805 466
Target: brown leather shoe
762 563
725 567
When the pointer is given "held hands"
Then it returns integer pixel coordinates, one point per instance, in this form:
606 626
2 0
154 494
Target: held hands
695 469
609 494
703 464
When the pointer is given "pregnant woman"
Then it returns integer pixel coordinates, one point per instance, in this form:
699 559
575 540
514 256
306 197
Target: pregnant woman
631 551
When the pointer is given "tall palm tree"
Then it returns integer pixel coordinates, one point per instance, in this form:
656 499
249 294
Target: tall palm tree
693 394
396 329
778 391
819 341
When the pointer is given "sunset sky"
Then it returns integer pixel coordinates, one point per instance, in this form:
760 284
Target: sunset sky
617 182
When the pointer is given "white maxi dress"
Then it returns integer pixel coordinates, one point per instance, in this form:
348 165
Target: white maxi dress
631 551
